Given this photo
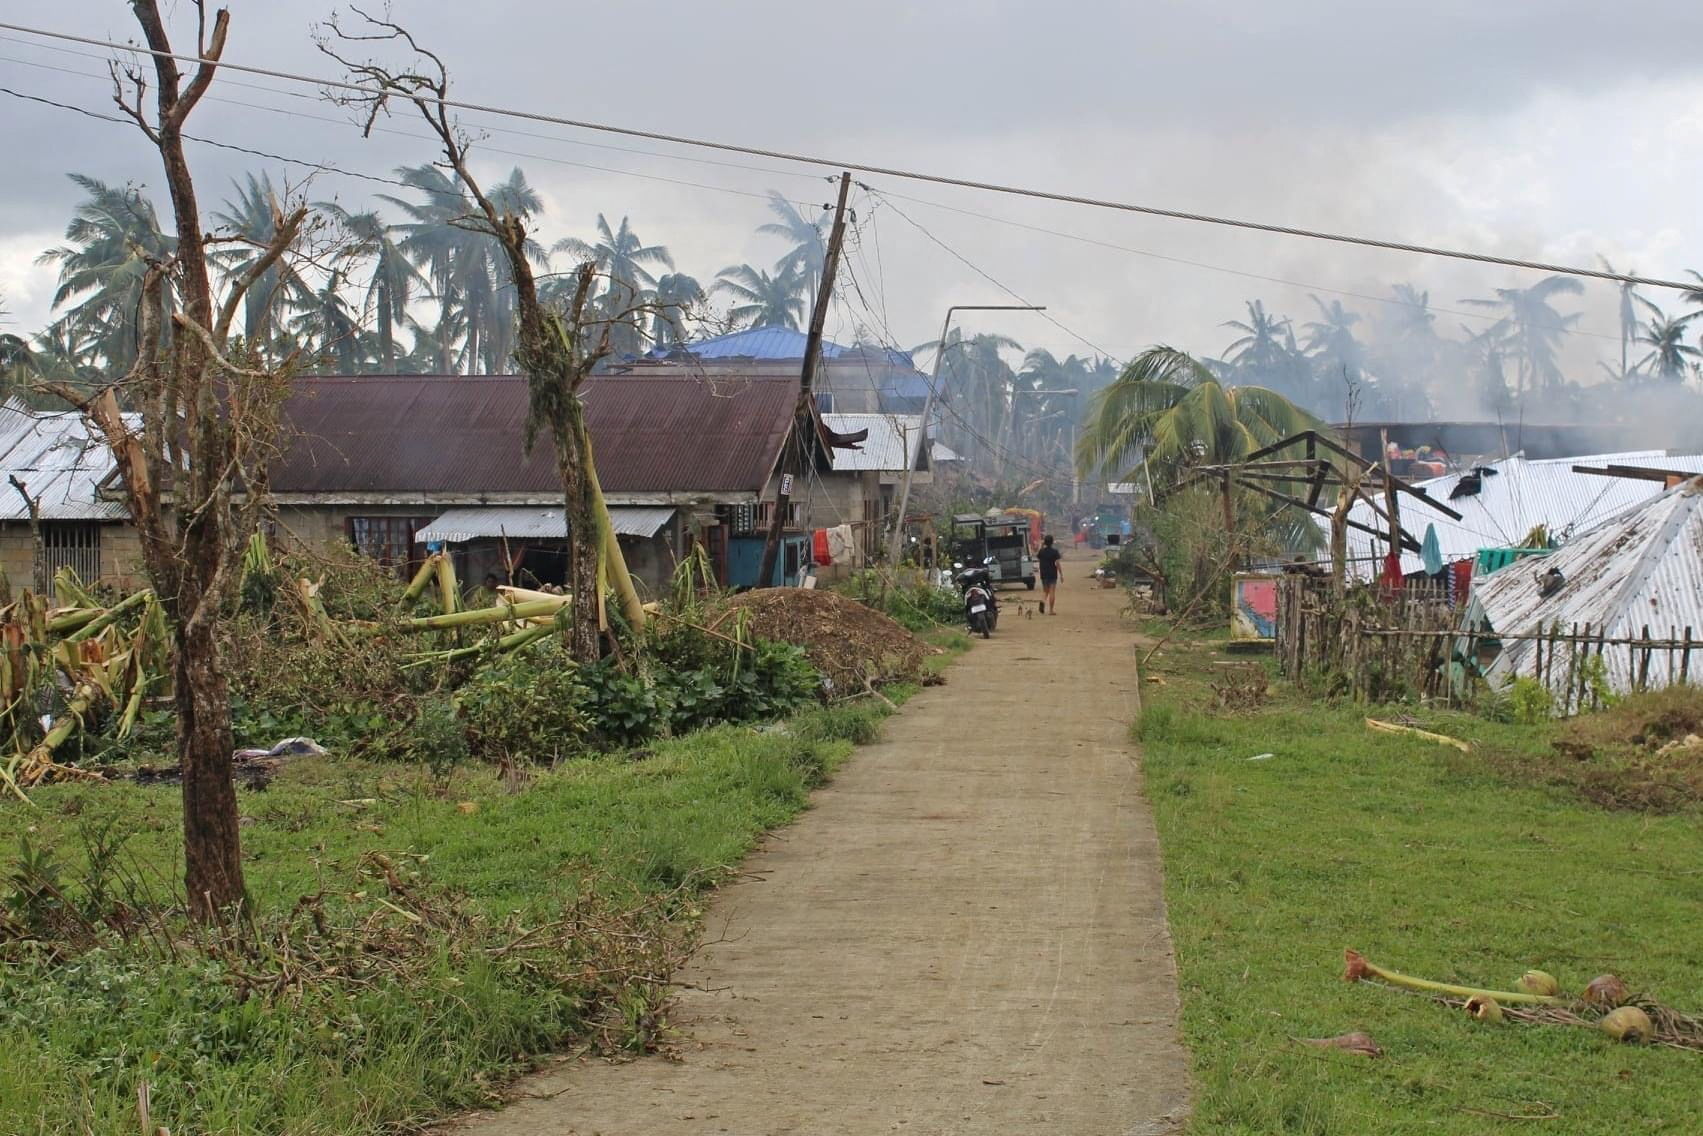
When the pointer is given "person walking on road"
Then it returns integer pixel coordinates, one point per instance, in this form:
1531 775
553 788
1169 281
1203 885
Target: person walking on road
1049 558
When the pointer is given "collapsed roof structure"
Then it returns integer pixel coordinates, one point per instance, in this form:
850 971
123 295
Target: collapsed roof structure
1501 502
1637 575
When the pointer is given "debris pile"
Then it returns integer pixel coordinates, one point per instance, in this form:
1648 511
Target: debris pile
852 645
1645 753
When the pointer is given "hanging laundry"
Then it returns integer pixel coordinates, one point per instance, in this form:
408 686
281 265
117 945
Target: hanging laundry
1430 552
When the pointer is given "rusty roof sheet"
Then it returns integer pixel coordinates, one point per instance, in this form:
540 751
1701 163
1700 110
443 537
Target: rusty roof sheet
59 463
460 436
1642 569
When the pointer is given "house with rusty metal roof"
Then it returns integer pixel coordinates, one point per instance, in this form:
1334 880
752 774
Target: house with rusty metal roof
393 464
51 470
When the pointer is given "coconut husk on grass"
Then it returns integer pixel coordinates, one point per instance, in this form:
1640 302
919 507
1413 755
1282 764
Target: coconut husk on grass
852 645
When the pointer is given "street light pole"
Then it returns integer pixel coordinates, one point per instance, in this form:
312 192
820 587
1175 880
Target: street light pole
928 409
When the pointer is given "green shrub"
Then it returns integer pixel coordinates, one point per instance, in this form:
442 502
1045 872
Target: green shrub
621 710
530 705
437 739
1530 701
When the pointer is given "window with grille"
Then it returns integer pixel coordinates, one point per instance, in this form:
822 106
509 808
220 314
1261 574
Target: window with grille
70 544
389 540
766 512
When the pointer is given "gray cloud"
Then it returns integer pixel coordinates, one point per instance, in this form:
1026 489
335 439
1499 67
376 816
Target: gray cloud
1549 129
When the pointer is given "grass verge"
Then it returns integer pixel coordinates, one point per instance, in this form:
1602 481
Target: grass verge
1432 863
422 938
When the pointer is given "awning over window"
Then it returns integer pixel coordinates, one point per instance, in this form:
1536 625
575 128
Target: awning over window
530 522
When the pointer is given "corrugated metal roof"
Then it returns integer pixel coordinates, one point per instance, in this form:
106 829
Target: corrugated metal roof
459 525
893 445
461 436
1640 569
59 463
1522 495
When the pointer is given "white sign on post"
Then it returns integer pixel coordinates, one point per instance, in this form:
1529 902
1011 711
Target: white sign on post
786 484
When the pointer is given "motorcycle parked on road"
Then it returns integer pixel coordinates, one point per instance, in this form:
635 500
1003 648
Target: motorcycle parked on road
981 608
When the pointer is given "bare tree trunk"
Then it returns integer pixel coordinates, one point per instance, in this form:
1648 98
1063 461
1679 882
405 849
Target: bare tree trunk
1345 496
212 850
39 578
583 545
211 841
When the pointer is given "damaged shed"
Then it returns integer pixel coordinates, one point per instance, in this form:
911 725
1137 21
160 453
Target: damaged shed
1629 591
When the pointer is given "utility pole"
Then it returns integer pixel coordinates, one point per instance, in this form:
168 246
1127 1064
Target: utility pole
803 448
898 534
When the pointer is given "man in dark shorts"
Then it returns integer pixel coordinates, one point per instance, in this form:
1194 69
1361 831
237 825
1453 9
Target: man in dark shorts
1049 558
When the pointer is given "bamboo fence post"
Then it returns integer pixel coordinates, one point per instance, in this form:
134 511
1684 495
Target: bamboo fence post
1572 667
1602 638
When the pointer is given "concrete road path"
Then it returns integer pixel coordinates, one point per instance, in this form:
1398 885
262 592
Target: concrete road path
965 934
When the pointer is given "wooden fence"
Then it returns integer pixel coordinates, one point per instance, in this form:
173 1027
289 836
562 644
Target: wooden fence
1375 647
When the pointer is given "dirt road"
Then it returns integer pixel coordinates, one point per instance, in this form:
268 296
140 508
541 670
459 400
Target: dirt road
966 934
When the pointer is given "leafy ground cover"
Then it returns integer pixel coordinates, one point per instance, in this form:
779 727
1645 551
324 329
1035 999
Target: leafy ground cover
420 935
1459 867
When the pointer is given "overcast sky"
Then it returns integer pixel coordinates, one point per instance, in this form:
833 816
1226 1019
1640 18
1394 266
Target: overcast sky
1558 130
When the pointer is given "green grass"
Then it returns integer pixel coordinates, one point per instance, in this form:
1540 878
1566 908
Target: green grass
78 1034
1429 863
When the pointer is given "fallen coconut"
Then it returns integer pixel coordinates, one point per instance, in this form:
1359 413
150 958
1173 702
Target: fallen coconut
1629 1024
1606 991
1539 982
1484 1008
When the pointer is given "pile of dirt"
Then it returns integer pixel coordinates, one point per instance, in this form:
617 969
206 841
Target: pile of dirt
848 642
1644 753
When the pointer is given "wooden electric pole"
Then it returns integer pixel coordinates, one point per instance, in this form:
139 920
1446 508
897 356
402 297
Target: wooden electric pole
801 445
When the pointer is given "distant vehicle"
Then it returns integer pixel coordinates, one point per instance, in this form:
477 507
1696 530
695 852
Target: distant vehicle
1108 525
999 540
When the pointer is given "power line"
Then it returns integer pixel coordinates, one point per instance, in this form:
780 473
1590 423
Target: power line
295 114
289 94
885 171
320 166
985 275
994 219
1234 271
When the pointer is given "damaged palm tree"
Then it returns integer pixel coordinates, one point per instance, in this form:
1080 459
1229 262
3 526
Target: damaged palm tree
210 416
556 351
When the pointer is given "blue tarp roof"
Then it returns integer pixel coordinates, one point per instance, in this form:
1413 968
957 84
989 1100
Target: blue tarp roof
896 378
778 343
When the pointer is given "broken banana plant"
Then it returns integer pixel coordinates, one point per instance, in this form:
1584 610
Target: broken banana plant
62 667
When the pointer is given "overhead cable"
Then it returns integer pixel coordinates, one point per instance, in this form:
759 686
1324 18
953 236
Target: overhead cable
885 171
